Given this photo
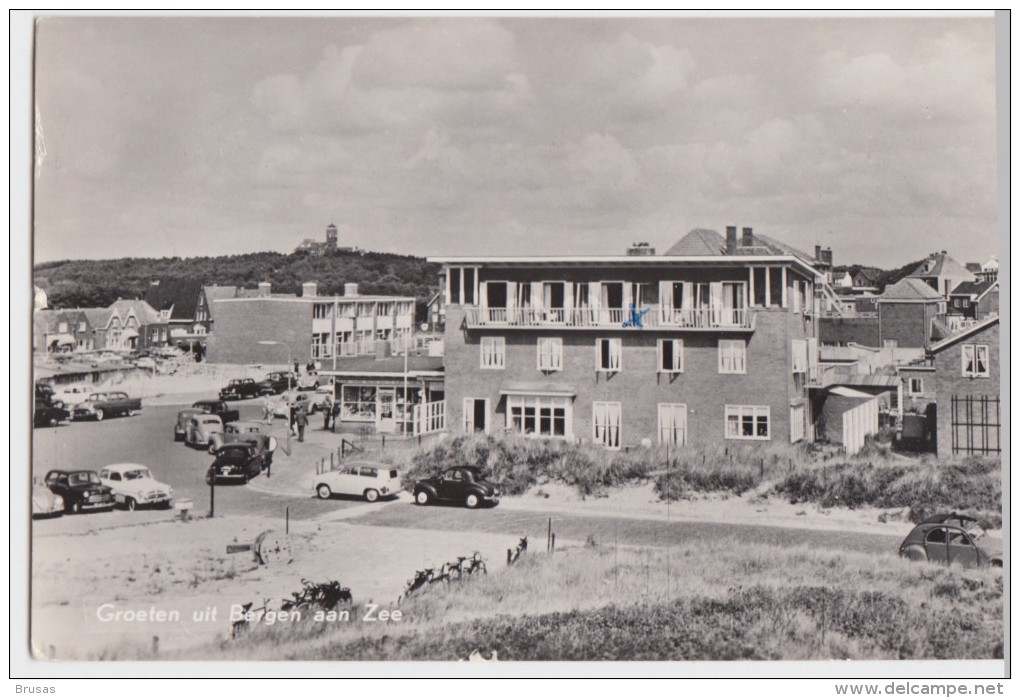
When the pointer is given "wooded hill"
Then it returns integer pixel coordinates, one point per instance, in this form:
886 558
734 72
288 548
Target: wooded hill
93 283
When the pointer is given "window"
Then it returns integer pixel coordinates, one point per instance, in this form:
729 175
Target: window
747 422
800 356
82 326
606 424
610 354
538 416
62 327
672 424
732 356
796 423
358 403
975 360
493 352
321 311
671 356
550 354
915 386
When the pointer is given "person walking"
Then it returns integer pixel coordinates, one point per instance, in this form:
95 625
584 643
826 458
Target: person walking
267 410
336 414
301 419
327 413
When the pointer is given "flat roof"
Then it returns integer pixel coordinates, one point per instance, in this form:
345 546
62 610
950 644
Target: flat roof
629 260
316 299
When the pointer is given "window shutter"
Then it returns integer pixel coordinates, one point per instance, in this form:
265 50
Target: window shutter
536 296
615 351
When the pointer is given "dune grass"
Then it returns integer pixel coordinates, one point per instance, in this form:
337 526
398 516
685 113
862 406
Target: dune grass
696 602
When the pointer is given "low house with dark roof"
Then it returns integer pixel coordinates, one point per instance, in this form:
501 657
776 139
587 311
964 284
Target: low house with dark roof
967 383
176 301
972 301
942 273
127 325
56 331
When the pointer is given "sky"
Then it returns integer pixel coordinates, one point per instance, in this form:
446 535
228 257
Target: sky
446 136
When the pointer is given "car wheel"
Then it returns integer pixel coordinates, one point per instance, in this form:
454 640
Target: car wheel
422 498
471 501
99 415
76 508
915 554
323 491
178 437
53 421
371 495
130 504
131 413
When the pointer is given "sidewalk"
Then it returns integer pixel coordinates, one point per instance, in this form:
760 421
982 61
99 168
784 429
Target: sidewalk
295 474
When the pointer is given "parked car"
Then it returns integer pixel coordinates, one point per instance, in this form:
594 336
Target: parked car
238 462
952 538
219 408
81 490
368 480
183 419
98 406
48 415
46 502
308 381
202 429
134 486
312 402
326 386
241 432
74 395
242 389
462 483
279 382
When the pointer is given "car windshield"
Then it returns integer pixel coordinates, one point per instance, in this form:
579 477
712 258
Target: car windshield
137 474
976 531
83 479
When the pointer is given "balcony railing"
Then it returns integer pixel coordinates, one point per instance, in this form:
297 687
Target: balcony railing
584 318
370 347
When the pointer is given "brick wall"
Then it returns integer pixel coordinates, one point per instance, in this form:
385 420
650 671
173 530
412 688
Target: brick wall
860 330
241 324
637 386
950 381
909 324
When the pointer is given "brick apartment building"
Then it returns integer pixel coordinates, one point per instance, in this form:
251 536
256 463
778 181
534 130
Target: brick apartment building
312 327
710 344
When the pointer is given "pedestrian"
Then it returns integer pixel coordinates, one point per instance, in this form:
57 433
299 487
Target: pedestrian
327 413
336 414
267 410
302 421
297 367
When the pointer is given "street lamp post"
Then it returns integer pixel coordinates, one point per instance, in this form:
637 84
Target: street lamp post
269 342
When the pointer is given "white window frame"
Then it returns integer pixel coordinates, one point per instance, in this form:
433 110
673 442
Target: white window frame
730 360
468 415
553 354
607 435
797 429
492 353
667 421
678 356
910 386
740 412
613 341
539 403
975 351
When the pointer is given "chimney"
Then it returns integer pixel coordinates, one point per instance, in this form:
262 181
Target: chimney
350 289
748 238
265 289
731 239
309 289
818 253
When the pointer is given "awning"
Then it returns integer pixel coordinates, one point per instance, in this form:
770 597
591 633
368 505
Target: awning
849 392
538 389
63 339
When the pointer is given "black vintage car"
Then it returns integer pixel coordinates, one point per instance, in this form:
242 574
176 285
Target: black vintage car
81 490
278 382
49 415
462 484
219 408
238 462
242 389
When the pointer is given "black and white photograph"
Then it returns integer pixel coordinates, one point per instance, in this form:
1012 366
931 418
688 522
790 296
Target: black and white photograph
500 338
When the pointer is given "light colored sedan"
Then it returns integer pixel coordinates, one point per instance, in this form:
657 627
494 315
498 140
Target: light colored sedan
201 429
134 486
361 479
45 502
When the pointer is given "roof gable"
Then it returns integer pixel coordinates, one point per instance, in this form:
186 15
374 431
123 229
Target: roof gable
180 295
968 332
910 289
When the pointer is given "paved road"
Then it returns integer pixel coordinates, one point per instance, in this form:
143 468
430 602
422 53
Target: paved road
147 438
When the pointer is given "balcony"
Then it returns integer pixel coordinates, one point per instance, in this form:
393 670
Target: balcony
656 317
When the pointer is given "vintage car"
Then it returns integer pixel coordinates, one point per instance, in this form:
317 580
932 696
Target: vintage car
240 432
461 484
219 408
74 395
45 502
48 415
952 539
81 490
183 419
98 406
278 382
361 479
134 486
326 386
242 389
202 429
312 402
237 462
